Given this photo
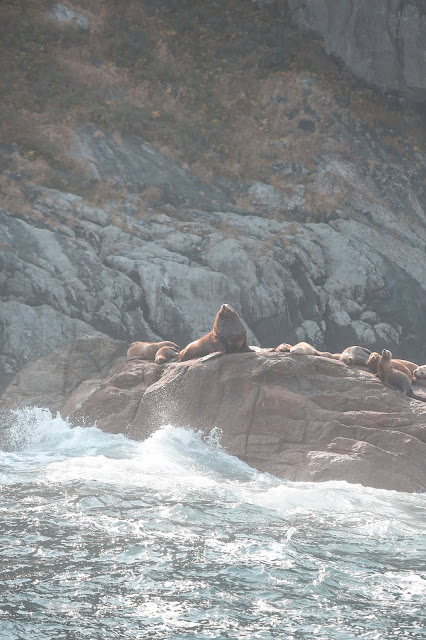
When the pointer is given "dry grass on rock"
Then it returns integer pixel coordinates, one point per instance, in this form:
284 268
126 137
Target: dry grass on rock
228 89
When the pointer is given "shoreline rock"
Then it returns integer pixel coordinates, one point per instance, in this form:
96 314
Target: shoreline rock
303 418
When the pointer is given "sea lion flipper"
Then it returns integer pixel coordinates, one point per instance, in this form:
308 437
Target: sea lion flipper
210 356
245 348
416 397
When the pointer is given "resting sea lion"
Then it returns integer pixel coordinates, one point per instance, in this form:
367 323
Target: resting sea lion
420 372
284 347
304 348
148 350
373 365
227 336
407 363
395 379
166 354
307 349
355 355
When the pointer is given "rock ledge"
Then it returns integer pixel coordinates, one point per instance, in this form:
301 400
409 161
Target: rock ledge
298 417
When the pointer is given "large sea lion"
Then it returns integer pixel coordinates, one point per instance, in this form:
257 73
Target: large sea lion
420 372
393 378
355 355
374 360
166 354
227 336
148 350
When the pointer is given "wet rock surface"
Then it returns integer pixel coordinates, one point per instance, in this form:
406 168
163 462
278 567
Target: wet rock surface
298 417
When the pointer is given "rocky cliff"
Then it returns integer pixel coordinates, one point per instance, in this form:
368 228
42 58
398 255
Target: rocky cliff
298 417
159 163
382 42
69 267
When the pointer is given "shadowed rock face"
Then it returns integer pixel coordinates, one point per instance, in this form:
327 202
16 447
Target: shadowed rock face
49 381
382 42
136 162
297 417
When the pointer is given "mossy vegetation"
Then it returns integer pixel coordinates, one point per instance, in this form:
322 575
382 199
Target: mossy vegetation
220 86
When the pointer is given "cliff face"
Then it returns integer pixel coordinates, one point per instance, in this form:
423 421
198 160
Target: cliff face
159 163
382 42
69 267
298 417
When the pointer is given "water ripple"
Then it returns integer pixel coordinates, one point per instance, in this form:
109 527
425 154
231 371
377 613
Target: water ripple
103 538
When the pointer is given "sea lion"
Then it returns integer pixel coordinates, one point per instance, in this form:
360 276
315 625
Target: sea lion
373 365
407 363
355 355
284 347
166 354
148 350
304 348
327 354
420 372
393 378
227 336
307 349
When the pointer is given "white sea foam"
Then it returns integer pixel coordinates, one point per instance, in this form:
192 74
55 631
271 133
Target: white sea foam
90 517
179 460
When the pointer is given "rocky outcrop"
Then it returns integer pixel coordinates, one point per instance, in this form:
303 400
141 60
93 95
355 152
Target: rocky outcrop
50 380
135 270
297 417
382 42
304 208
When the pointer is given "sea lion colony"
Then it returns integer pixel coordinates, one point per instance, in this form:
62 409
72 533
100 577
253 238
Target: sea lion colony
230 336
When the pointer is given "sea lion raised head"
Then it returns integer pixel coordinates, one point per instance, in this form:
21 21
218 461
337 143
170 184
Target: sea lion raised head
228 335
229 327
373 361
373 365
393 378
390 376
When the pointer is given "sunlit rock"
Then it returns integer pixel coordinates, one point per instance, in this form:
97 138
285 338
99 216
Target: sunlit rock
298 417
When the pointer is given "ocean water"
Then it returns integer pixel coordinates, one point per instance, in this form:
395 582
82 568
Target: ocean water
172 538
